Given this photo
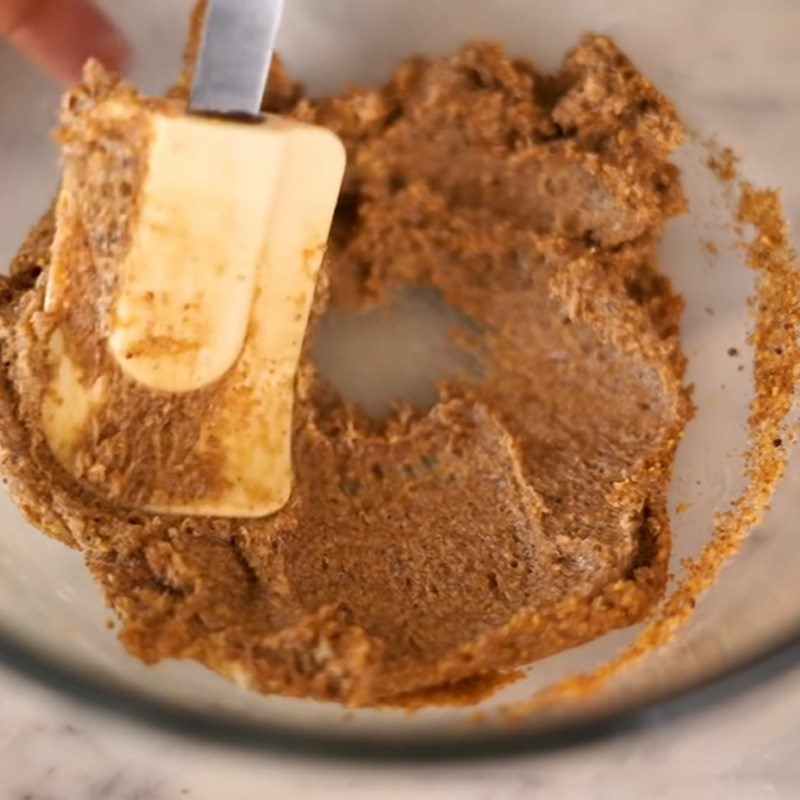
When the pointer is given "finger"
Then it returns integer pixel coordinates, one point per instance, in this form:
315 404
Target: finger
60 35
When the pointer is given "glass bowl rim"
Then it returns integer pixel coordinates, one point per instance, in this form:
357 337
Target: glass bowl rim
202 726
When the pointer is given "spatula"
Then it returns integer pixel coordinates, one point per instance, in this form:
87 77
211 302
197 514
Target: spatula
210 297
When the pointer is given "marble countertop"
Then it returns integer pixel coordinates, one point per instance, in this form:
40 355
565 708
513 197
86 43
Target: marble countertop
747 747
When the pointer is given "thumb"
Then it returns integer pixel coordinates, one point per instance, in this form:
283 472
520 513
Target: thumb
60 35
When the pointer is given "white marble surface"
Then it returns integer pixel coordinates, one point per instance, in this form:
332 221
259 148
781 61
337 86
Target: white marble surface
748 748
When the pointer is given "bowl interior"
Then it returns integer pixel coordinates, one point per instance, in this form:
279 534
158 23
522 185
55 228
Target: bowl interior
742 89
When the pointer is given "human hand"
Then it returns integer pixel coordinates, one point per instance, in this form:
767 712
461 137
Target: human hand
59 35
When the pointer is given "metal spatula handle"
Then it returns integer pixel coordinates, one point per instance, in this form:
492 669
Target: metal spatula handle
235 54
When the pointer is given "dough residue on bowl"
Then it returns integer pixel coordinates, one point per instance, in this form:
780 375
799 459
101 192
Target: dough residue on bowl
520 515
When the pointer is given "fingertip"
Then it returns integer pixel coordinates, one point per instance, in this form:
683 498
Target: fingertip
94 35
61 37
113 51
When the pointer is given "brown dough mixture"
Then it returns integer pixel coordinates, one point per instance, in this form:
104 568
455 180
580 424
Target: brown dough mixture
520 515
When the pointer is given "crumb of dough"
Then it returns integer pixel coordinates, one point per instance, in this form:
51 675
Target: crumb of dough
724 163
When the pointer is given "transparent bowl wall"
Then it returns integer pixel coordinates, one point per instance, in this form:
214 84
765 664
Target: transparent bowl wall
733 68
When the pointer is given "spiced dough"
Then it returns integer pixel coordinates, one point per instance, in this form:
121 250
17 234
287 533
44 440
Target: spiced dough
521 514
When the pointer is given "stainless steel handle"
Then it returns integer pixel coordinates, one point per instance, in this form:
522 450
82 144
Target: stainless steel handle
235 55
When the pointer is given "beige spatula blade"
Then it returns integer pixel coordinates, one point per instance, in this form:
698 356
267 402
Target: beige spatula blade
207 313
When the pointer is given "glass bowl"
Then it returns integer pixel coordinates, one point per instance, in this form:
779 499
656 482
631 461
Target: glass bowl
732 67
